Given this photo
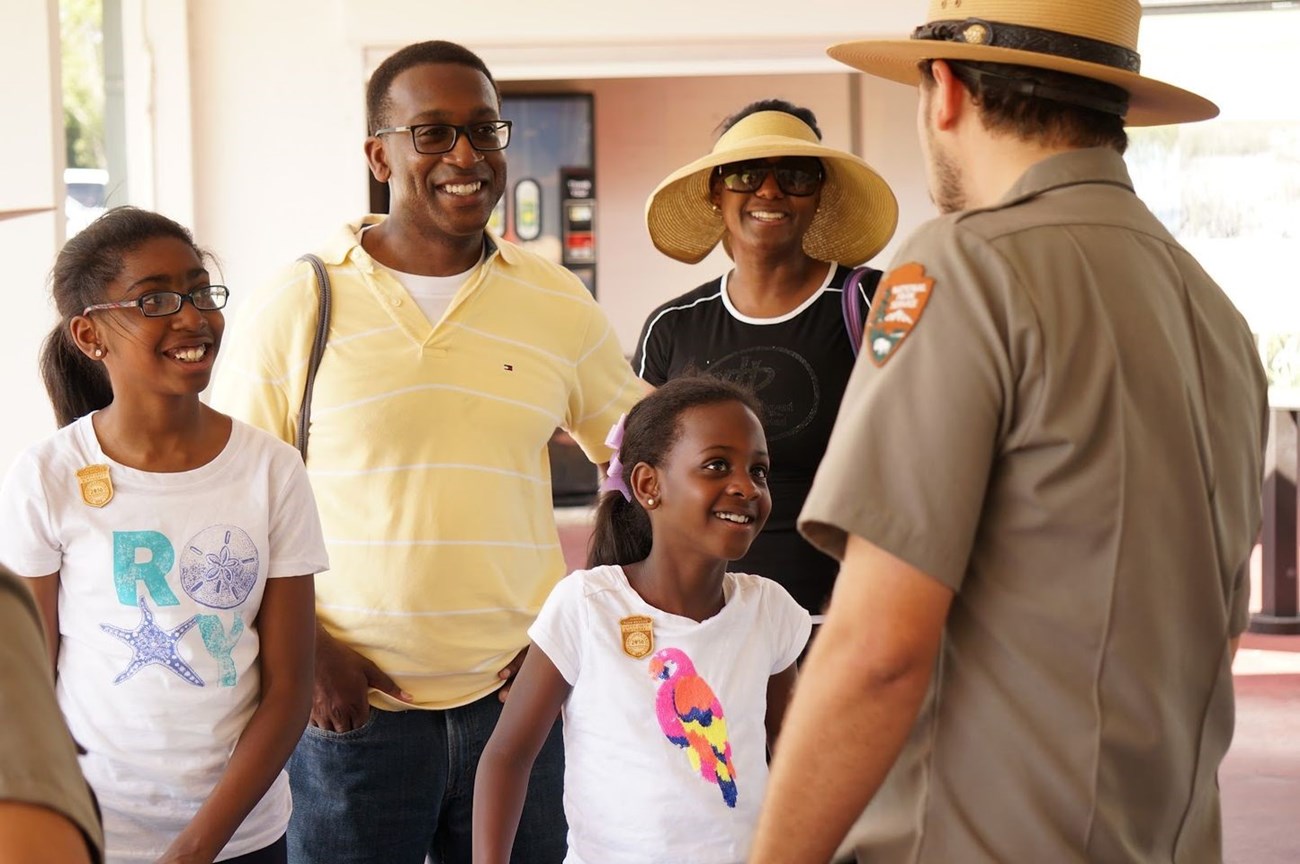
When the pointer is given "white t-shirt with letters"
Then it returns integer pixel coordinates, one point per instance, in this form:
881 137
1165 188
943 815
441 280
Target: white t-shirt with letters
159 590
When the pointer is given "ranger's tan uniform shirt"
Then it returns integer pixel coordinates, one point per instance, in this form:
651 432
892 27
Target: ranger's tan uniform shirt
38 759
1070 436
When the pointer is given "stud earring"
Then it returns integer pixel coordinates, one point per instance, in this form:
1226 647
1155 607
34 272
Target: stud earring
650 503
99 353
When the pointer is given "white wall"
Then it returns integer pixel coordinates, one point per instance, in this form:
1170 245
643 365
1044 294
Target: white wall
31 215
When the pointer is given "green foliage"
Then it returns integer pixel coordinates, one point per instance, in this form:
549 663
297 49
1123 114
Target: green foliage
81 30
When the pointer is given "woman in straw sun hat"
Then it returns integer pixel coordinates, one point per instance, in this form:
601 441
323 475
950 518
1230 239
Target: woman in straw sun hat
791 212
1043 482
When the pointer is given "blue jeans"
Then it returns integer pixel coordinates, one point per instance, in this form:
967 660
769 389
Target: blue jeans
400 787
273 854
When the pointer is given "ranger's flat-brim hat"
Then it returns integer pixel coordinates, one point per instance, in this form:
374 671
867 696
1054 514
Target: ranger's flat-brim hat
1094 39
856 216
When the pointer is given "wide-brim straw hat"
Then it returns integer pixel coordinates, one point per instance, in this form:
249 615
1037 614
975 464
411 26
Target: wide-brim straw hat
1095 39
855 218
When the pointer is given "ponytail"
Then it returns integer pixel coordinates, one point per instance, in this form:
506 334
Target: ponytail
76 385
621 534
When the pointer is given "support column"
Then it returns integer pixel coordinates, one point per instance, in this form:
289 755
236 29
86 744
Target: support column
1279 613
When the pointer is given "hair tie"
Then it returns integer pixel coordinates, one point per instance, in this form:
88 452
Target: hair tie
614 480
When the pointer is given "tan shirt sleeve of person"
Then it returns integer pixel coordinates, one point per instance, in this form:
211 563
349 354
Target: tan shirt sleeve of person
38 761
923 418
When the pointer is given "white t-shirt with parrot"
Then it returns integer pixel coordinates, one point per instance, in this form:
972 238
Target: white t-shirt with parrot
664 739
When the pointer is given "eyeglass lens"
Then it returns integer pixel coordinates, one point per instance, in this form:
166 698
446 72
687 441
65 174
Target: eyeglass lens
209 298
799 176
439 137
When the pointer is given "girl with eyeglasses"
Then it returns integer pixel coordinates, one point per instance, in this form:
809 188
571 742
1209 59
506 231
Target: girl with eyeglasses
793 215
171 551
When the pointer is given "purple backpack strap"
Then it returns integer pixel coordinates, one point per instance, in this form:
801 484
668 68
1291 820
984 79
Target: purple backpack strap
851 302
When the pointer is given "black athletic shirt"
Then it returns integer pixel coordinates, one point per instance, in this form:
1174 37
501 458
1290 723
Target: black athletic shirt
799 365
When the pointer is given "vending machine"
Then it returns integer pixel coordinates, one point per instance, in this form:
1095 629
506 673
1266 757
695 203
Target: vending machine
549 206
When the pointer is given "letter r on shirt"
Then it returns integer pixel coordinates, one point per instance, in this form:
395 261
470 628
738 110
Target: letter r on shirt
127 570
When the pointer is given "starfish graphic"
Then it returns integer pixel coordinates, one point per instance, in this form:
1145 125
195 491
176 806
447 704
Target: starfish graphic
152 644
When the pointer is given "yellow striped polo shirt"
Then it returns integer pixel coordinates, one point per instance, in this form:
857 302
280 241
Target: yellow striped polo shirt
428 448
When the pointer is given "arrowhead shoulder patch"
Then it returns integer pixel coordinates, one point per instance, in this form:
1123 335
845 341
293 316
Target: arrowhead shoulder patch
900 300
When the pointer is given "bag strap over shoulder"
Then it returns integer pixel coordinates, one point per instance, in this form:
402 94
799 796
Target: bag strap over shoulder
860 280
317 349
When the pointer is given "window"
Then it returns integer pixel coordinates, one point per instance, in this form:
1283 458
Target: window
1229 188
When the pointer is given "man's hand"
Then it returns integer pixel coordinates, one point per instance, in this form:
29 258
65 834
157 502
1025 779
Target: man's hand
509 673
340 698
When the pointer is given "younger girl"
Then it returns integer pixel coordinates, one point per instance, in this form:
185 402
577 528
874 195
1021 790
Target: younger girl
673 674
171 552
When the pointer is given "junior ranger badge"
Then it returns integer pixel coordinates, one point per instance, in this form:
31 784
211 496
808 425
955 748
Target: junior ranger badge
638 636
96 487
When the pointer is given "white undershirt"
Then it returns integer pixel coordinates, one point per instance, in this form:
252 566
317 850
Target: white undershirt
433 294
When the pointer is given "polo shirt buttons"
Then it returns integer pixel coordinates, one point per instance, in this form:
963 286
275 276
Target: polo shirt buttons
396 301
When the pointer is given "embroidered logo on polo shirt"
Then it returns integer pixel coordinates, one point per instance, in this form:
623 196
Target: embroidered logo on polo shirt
900 300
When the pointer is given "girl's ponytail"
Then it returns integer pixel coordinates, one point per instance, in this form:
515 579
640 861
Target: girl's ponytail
76 385
621 534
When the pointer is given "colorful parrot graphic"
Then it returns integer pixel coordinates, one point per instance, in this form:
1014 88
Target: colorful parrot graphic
690 715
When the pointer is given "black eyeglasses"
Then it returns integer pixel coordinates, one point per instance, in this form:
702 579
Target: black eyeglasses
157 304
799 176
434 138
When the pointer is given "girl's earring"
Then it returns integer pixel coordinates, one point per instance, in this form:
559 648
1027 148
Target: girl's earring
650 503
99 353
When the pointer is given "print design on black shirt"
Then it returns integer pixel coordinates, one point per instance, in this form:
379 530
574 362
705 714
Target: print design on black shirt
762 367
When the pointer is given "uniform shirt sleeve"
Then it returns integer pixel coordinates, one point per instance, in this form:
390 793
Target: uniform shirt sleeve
916 437
38 761
28 543
558 628
297 545
604 387
264 357
789 623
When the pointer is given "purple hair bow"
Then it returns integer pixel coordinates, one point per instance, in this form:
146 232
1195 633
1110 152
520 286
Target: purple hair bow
614 480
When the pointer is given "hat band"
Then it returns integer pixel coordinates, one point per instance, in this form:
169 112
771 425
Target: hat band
976 31
1037 89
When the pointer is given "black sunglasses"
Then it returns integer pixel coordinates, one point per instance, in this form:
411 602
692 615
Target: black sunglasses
799 176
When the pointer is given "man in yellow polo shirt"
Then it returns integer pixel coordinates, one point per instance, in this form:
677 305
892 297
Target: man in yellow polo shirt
452 357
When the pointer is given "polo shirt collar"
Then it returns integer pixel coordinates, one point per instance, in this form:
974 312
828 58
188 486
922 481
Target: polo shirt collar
346 243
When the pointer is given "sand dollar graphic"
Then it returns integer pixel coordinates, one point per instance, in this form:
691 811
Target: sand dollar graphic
219 566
